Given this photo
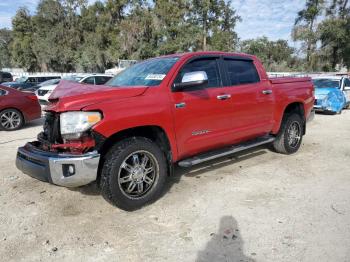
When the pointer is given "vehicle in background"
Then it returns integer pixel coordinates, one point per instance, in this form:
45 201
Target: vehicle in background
5 77
330 94
180 109
120 66
43 93
17 108
25 82
46 83
345 87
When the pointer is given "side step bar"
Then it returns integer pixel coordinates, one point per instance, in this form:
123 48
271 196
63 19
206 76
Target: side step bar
226 151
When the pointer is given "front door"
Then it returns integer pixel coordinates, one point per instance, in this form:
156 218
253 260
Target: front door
202 116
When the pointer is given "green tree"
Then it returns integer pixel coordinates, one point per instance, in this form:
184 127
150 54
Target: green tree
216 20
5 54
275 55
334 33
305 29
224 37
174 32
58 34
23 35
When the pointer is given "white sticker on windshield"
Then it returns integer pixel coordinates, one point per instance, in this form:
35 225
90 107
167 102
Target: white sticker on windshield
155 77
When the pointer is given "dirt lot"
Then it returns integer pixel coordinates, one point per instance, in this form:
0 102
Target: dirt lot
256 206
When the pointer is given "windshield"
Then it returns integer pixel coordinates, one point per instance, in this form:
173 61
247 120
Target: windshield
326 83
148 73
22 79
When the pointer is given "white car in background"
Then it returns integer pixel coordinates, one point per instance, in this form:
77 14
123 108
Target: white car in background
44 92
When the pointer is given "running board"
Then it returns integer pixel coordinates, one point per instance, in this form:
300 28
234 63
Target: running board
226 151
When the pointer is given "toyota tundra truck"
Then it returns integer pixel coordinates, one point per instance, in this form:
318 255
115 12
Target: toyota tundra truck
181 109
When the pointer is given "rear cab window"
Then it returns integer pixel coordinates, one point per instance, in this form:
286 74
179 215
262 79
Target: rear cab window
240 72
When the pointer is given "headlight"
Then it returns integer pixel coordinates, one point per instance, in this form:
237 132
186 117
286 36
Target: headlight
74 123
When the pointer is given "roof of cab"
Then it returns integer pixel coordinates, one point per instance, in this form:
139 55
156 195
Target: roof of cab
204 53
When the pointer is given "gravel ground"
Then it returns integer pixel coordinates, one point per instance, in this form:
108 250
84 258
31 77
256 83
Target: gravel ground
255 206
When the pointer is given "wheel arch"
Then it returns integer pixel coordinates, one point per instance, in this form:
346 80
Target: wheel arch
155 133
294 107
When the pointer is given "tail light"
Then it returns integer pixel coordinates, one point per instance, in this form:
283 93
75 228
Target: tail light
32 97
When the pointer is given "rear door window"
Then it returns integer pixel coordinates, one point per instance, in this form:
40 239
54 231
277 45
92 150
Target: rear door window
100 80
90 80
32 80
240 72
7 75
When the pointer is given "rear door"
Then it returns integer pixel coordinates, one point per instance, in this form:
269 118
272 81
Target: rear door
252 99
202 116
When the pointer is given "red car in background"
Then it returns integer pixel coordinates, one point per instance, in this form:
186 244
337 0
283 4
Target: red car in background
17 108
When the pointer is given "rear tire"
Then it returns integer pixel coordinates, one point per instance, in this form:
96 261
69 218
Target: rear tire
134 173
290 136
11 119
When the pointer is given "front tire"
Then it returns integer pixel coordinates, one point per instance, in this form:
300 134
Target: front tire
134 173
290 136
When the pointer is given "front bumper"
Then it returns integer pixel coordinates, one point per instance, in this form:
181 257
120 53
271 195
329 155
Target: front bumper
318 108
57 168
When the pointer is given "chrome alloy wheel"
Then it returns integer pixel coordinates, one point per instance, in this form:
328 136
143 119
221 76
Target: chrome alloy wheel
294 134
137 174
10 119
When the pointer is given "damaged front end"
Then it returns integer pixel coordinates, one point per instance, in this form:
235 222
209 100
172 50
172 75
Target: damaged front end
52 139
66 152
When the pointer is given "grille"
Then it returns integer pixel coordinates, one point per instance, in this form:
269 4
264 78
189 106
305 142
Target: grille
51 128
42 92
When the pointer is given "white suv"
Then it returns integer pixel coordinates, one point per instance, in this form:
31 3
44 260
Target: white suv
43 93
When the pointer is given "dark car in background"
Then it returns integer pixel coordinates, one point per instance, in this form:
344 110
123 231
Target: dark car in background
46 83
5 77
26 82
17 108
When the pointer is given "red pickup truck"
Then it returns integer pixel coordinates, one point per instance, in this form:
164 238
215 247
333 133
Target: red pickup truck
179 109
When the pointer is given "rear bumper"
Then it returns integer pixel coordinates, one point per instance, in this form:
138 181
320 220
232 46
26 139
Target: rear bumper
60 169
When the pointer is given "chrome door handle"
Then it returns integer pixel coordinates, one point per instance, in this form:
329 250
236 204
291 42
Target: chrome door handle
223 97
267 92
180 105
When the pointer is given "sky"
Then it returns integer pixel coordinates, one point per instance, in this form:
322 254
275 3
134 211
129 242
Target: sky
271 18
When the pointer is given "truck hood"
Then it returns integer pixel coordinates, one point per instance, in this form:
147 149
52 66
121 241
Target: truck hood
70 96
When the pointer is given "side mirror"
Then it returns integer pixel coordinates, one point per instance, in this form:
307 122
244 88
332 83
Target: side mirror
346 88
192 79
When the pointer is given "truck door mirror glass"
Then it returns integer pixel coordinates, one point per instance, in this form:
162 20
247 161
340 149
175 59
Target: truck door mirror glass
192 79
